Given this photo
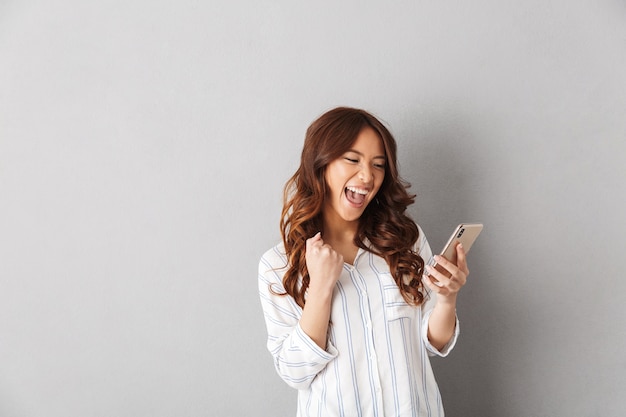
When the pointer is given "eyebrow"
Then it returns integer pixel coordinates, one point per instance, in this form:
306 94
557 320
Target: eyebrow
361 154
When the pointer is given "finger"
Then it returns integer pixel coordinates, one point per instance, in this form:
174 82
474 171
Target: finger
439 278
433 285
447 265
442 266
441 288
334 255
313 240
339 259
461 258
444 262
430 283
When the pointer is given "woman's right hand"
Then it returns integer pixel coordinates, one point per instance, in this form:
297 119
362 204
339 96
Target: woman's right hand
324 265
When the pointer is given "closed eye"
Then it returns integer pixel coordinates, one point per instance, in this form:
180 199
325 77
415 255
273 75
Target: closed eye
354 161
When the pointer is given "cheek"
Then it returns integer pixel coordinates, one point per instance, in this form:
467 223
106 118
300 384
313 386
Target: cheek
336 177
333 185
379 181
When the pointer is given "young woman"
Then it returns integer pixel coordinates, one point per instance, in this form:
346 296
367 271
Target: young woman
352 312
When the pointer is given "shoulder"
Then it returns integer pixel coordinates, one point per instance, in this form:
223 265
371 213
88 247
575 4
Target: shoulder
274 258
422 247
272 268
422 236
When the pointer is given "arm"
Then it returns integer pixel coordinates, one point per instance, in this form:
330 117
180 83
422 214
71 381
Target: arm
442 322
296 337
324 266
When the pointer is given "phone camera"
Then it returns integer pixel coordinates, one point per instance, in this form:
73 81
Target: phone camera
460 233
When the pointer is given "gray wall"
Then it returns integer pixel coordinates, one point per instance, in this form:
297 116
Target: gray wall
143 150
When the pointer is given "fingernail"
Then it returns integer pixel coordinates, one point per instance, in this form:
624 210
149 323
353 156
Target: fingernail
437 257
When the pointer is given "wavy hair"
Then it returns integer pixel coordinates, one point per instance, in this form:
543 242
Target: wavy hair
384 223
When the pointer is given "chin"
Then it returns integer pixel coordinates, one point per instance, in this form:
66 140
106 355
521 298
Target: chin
354 216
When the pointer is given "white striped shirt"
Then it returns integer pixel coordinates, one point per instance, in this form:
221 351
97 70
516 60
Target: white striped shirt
376 362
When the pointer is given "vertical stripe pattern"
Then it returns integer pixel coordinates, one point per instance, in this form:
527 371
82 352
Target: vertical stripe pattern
376 363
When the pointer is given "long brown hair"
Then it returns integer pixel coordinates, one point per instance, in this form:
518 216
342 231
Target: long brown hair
391 233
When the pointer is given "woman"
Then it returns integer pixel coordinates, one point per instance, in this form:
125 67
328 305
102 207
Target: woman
352 312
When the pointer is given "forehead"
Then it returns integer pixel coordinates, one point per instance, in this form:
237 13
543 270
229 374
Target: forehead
368 143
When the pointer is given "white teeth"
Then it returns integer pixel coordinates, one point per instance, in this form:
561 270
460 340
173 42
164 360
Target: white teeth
357 190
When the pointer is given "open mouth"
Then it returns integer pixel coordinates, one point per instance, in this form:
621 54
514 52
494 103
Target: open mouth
356 195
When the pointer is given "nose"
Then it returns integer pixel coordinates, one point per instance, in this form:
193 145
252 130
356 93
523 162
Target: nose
366 175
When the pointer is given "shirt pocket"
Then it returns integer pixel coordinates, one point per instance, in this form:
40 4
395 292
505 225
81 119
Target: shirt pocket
395 306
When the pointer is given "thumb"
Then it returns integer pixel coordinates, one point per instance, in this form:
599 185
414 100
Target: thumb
314 239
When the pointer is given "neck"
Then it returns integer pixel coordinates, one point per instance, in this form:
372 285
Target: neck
340 236
339 231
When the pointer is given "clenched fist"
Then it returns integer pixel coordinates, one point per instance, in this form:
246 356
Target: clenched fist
324 265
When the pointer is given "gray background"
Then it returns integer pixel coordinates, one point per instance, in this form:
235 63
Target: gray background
143 150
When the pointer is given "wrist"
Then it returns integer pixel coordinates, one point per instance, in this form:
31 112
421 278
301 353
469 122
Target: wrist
319 292
448 301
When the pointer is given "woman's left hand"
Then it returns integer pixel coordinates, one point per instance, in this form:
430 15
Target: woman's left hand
446 279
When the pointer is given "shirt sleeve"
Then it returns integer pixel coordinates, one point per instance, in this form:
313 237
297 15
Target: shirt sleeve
297 358
427 307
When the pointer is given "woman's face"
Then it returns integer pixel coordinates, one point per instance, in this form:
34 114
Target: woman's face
354 178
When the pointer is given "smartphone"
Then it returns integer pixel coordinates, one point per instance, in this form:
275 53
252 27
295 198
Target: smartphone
466 234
